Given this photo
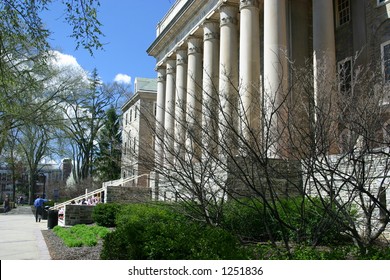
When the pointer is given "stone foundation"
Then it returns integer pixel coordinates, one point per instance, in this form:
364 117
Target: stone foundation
78 214
276 177
122 194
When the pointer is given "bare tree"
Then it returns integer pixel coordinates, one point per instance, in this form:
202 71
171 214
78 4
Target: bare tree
330 150
356 178
84 112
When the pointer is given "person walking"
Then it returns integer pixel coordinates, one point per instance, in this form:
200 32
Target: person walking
38 204
6 205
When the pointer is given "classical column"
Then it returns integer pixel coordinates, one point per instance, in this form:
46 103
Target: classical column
160 130
323 34
250 69
228 75
194 97
275 74
169 112
324 63
160 116
181 101
210 86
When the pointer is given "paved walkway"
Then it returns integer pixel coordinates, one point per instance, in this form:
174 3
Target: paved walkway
21 237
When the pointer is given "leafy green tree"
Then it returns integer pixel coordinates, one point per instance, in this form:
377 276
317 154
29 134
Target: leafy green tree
22 24
34 143
24 55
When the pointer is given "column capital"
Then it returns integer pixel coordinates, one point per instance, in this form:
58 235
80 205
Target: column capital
228 14
181 57
194 45
171 66
161 71
210 30
249 4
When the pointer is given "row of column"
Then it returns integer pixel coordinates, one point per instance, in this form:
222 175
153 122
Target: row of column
201 84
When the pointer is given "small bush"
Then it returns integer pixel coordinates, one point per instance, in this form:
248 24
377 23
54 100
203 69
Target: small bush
49 203
375 253
158 233
245 219
104 214
301 221
81 235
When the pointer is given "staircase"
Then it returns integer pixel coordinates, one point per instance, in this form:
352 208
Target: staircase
78 199
101 193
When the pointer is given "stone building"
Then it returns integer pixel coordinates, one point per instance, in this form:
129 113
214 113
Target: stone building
51 178
137 134
230 65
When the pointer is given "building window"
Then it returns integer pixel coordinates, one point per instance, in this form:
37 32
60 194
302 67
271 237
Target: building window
385 53
131 115
343 12
345 75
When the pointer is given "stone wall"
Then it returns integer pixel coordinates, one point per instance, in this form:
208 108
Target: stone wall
122 194
78 214
82 214
342 177
250 178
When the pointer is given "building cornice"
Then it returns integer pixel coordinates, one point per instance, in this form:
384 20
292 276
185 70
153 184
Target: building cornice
185 23
140 95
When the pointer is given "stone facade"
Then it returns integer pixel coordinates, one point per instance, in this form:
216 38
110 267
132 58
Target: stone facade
122 194
137 135
281 179
78 214
226 46
363 34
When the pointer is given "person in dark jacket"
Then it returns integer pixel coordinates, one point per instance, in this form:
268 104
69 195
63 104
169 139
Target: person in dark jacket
38 204
6 205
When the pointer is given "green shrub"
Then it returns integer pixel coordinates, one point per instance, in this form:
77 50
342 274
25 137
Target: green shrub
49 203
81 235
158 233
375 253
104 214
245 219
299 220
312 222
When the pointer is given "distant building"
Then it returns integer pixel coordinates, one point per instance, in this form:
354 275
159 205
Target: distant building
50 178
137 135
6 184
66 167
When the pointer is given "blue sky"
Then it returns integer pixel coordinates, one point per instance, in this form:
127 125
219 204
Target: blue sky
129 27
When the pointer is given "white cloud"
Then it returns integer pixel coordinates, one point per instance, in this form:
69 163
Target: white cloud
64 60
67 67
122 78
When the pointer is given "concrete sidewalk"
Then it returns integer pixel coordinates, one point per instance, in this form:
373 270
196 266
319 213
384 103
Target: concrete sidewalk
21 237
